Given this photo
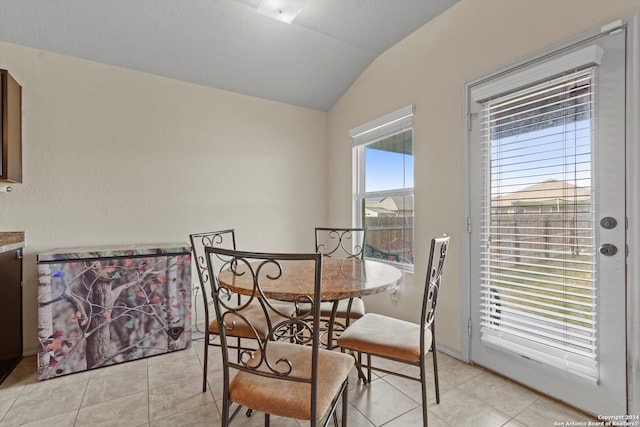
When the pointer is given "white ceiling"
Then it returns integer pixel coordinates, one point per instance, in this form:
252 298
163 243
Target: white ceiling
224 44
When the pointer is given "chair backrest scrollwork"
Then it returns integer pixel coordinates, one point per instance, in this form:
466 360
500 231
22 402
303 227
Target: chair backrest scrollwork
301 327
437 255
222 239
341 242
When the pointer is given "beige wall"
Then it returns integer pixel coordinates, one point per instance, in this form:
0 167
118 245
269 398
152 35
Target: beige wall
429 69
113 156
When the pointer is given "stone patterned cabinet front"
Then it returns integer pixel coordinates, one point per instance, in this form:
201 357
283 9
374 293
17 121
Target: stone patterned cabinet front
101 306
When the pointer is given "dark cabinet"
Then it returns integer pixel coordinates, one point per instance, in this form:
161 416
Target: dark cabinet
10 128
11 311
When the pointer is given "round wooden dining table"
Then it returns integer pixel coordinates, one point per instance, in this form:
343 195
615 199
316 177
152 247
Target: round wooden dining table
341 279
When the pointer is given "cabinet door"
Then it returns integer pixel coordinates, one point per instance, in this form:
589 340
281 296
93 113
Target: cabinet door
11 312
10 128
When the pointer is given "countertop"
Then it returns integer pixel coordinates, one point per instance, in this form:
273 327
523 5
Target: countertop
11 240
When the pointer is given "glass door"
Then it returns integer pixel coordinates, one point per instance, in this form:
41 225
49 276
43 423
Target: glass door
547 173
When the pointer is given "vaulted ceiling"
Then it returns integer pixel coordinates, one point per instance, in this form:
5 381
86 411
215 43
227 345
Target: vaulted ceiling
225 44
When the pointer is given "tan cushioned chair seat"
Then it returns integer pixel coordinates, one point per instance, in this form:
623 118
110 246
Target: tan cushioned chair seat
357 308
289 398
385 336
255 315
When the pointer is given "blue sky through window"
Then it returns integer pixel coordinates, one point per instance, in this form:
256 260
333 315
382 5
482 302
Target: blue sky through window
386 170
562 153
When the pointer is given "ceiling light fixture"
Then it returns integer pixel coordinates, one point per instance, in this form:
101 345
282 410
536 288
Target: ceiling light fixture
282 10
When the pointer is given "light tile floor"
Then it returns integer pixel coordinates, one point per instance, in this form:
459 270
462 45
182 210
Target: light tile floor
165 391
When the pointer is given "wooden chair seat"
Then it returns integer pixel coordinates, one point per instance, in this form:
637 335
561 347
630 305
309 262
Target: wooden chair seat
385 336
289 398
356 312
257 319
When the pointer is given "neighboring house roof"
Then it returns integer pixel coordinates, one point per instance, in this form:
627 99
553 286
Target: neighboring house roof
388 205
382 206
549 190
404 204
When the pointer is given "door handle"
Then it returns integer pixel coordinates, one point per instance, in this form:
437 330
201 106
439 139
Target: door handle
608 249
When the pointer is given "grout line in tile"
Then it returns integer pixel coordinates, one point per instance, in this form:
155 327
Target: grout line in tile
148 392
84 395
528 406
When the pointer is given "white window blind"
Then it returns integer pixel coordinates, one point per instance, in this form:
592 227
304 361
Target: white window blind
587 56
537 289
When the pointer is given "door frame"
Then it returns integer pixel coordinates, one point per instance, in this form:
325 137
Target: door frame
632 196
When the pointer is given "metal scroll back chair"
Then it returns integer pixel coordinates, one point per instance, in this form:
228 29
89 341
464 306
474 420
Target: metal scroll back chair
288 374
402 341
221 239
342 243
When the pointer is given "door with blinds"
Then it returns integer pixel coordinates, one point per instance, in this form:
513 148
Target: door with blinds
547 224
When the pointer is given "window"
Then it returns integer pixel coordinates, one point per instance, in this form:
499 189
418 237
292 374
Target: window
383 185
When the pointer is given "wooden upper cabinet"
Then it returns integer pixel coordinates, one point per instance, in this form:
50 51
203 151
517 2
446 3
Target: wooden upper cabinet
11 128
